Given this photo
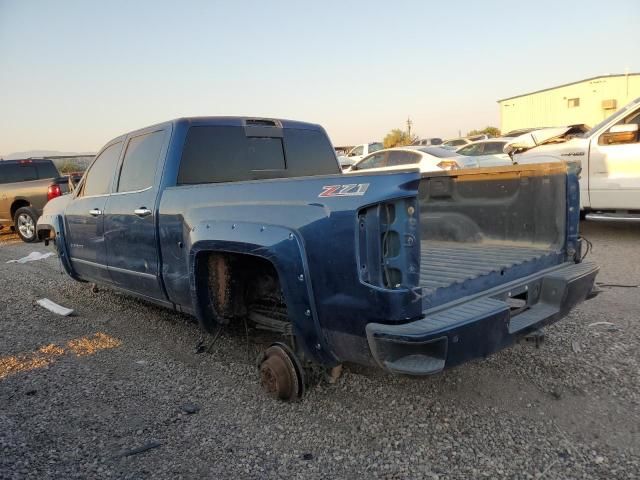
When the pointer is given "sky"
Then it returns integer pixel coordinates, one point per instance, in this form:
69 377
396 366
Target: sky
74 74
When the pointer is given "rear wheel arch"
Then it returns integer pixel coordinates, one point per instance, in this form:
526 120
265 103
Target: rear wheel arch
226 285
18 203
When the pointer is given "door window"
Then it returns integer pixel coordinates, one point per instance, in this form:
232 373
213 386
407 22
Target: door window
493 148
140 160
372 161
399 157
472 150
100 176
634 118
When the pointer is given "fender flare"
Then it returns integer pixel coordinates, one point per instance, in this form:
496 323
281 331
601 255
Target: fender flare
284 249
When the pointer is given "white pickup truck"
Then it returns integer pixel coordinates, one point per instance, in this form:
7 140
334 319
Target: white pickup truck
610 157
357 153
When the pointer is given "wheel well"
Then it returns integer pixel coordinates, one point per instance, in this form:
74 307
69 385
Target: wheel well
235 286
18 204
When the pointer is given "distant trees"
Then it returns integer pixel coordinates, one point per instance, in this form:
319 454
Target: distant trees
491 131
68 166
398 138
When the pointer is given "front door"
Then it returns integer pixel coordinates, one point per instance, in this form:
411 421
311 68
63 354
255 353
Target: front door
614 172
84 217
130 217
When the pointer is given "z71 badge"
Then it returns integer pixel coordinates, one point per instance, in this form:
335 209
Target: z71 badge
351 190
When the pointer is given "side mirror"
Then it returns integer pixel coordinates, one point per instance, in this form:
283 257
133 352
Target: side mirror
619 134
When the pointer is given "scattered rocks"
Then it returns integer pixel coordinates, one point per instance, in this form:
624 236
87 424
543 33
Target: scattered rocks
523 413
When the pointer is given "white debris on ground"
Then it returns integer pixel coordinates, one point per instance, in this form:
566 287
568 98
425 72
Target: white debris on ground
54 307
32 257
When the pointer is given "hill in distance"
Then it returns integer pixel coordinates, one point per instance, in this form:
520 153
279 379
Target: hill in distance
42 153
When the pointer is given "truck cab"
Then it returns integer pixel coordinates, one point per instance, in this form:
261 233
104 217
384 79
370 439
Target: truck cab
610 157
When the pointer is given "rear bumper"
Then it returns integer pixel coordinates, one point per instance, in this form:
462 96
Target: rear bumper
481 326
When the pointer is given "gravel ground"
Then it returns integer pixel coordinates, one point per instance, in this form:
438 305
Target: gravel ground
570 409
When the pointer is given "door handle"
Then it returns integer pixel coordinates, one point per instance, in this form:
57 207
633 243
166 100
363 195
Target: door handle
142 211
94 212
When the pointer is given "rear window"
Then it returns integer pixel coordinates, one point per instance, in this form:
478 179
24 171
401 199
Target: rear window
216 154
47 170
17 172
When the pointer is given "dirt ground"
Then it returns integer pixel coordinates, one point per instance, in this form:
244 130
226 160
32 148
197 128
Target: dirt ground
117 390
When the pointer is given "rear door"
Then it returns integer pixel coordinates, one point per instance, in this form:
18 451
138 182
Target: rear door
84 217
130 215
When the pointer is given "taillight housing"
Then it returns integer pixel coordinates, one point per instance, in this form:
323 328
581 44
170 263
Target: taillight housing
448 165
53 191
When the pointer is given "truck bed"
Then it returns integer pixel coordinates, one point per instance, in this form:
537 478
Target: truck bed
449 270
486 227
445 263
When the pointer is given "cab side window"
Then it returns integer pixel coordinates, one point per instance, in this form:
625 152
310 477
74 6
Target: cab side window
140 161
100 176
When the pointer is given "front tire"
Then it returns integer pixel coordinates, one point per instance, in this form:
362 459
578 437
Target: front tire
25 220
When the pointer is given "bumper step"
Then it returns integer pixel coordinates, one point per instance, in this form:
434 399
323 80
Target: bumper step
479 327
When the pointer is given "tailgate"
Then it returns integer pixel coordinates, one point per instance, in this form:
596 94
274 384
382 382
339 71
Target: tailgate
480 228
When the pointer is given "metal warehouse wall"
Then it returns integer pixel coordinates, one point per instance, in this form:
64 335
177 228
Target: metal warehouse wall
598 98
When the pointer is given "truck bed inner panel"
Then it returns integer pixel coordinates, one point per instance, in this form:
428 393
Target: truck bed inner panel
472 267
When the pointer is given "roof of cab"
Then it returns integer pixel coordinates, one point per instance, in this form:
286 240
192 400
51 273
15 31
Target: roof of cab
223 121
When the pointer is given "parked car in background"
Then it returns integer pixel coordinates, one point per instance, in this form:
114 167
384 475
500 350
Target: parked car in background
408 271
425 142
25 187
357 153
428 159
456 143
518 132
610 157
486 153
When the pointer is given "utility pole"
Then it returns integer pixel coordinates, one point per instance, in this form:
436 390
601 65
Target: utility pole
409 123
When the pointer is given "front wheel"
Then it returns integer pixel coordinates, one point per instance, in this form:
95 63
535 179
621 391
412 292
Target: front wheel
25 221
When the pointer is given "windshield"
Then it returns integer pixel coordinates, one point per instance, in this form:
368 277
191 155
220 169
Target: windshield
620 112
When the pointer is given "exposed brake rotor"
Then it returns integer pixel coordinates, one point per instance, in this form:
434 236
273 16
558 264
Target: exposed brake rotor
281 375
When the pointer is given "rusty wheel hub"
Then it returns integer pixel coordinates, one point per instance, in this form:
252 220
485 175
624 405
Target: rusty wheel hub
280 374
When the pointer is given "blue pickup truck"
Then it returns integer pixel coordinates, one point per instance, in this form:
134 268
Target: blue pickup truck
250 220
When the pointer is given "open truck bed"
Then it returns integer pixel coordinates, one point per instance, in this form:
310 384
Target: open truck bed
499 257
449 270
